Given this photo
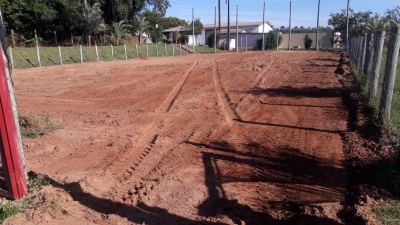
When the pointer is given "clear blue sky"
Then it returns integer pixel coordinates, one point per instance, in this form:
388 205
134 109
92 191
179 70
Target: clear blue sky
304 12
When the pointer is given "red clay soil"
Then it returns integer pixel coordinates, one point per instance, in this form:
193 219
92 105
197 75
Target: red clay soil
251 138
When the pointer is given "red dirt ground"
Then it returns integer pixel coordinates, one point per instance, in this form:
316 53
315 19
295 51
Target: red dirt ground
251 138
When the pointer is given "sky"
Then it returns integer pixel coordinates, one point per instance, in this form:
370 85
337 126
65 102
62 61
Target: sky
304 12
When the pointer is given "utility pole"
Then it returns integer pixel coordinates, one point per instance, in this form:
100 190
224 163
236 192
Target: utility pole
347 26
263 33
237 28
229 25
215 31
193 29
316 41
290 26
219 15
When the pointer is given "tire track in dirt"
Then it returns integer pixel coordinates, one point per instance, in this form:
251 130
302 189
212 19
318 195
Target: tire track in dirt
169 101
63 99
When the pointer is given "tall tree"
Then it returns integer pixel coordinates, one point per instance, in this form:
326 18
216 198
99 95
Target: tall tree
120 29
357 22
394 16
92 18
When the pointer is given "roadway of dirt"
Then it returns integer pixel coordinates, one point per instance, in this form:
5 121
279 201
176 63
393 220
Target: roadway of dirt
250 138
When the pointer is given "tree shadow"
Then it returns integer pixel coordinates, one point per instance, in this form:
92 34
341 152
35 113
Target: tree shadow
287 91
287 167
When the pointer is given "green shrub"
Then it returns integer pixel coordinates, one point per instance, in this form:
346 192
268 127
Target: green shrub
269 41
307 42
7 210
32 127
210 39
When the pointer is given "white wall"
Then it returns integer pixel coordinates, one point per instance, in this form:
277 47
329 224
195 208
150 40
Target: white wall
267 28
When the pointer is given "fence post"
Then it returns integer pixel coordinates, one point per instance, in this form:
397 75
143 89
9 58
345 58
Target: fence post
97 52
147 49
157 48
60 55
137 52
112 52
180 48
37 50
173 49
246 43
11 59
363 52
80 53
379 40
126 54
368 53
55 37
12 38
165 47
390 75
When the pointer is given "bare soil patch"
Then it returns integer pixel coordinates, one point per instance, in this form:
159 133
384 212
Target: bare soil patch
251 138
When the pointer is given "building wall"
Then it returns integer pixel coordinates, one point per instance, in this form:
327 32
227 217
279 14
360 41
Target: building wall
267 28
297 40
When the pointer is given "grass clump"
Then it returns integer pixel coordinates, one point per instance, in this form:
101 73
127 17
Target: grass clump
36 127
7 210
389 215
37 183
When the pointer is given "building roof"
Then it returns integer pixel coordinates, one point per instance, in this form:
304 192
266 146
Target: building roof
173 29
240 24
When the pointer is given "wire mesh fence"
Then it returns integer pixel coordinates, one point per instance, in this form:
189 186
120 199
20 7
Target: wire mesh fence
375 61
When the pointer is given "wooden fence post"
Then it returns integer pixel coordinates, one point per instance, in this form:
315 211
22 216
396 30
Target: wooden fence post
60 55
379 40
137 52
165 47
11 59
390 75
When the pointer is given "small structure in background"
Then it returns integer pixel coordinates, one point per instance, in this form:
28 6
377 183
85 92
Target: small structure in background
337 40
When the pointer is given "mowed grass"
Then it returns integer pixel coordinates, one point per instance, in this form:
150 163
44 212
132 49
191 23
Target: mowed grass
26 57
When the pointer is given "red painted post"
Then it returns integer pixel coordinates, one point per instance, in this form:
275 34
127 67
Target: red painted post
12 163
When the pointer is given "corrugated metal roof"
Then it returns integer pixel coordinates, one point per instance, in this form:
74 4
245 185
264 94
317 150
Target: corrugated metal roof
240 24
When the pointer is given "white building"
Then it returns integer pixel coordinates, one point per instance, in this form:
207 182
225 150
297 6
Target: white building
243 28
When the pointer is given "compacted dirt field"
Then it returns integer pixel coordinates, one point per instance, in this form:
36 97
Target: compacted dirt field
236 138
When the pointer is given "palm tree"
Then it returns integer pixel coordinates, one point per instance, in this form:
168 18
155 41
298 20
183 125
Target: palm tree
92 19
394 16
141 25
377 23
120 30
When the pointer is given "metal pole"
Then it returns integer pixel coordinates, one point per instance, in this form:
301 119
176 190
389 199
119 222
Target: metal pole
263 32
97 53
317 37
80 53
229 25
126 54
37 50
193 40
290 26
347 26
237 28
215 28
60 55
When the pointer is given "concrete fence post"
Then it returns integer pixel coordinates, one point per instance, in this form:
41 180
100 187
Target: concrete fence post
81 53
157 49
60 55
180 48
368 53
12 38
137 52
379 40
112 52
147 49
126 53
37 50
97 52
390 75
11 58
165 47
173 49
